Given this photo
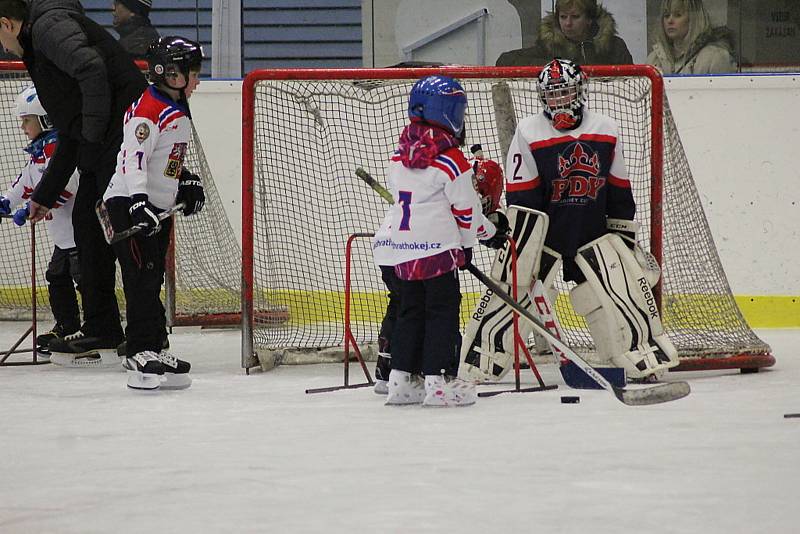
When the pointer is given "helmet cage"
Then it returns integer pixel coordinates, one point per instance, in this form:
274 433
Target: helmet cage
562 92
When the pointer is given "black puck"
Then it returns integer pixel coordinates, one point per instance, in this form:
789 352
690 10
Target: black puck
570 400
791 415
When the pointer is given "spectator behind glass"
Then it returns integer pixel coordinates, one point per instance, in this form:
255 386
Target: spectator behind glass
578 30
686 43
132 23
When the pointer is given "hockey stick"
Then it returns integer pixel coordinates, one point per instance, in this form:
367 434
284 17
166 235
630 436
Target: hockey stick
632 397
373 183
113 236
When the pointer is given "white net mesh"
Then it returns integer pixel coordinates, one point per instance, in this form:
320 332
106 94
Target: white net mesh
309 136
204 280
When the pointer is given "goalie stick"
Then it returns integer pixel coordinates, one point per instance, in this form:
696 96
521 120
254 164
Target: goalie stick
632 397
113 236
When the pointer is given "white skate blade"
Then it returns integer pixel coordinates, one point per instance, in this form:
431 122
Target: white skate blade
176 381
381 387
93 358
144 381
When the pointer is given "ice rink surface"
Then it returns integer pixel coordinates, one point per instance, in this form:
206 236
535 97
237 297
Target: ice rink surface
79 452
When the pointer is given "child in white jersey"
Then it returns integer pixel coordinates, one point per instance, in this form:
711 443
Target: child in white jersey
150 178
434 226
63 271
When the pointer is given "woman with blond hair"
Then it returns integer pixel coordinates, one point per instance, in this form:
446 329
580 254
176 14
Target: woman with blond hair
578 30
687 43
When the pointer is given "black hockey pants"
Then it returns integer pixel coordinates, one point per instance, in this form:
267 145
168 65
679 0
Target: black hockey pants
142 260
63 274
426 335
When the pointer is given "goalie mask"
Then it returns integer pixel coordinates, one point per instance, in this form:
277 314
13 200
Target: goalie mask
562 91
441 101
488 181
171 55
28 104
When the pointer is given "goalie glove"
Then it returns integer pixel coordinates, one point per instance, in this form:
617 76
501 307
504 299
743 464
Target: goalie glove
21 215
500 222
190 192
144 215
5 206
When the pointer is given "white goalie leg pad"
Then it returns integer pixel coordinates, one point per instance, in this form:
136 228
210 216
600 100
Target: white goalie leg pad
620 309
528 229
487 349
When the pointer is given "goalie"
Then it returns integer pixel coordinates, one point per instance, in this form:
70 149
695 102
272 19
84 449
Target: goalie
566 165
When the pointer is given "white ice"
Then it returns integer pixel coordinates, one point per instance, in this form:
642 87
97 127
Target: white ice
234 453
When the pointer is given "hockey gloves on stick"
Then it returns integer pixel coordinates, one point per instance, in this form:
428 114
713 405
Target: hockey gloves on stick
144 215
190 193
5 206
500 222
21 215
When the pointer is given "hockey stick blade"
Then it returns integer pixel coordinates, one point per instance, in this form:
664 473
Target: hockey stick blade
632 397
373 183
113 236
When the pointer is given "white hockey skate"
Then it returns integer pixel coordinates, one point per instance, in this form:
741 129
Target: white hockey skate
176 371
145 371
404 388
446 391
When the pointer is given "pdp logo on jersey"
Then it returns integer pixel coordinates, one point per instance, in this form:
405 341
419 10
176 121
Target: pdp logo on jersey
578 169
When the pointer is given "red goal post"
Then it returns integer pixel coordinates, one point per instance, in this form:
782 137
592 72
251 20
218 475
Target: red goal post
202 286
306 130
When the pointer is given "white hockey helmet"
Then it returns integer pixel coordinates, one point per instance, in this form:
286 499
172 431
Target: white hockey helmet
562 91
28 104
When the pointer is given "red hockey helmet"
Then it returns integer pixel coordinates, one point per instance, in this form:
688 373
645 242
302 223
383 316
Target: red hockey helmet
488 181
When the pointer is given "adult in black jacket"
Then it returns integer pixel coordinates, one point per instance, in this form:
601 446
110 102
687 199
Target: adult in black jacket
131 19
86 81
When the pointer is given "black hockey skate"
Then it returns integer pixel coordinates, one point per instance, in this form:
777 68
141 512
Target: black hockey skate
80 350
58 331
176 371
145 371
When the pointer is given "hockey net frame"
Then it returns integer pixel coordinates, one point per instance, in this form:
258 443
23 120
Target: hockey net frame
300 146
202 281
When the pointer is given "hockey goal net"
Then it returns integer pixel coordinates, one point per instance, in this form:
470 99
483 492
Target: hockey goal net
203 279
306 131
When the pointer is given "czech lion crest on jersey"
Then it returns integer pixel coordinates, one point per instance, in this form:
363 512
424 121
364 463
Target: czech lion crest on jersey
142 132
578 170
175 160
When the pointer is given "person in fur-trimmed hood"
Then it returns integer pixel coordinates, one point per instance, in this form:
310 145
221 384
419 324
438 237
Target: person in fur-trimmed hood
687 43
579 30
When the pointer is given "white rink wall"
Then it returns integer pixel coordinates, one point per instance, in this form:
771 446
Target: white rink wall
739 135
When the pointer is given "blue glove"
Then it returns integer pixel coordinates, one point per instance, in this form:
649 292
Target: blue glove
144 215
5 206
21 215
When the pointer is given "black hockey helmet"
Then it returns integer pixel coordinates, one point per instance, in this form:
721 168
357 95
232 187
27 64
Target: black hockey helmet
171 54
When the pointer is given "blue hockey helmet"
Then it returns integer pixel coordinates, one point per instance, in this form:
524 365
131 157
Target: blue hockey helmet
439 100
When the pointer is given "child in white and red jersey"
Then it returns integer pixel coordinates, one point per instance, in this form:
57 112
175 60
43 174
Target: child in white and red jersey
434 225
149 179
63 271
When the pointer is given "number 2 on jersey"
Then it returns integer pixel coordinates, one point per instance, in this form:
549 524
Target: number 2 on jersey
404 199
